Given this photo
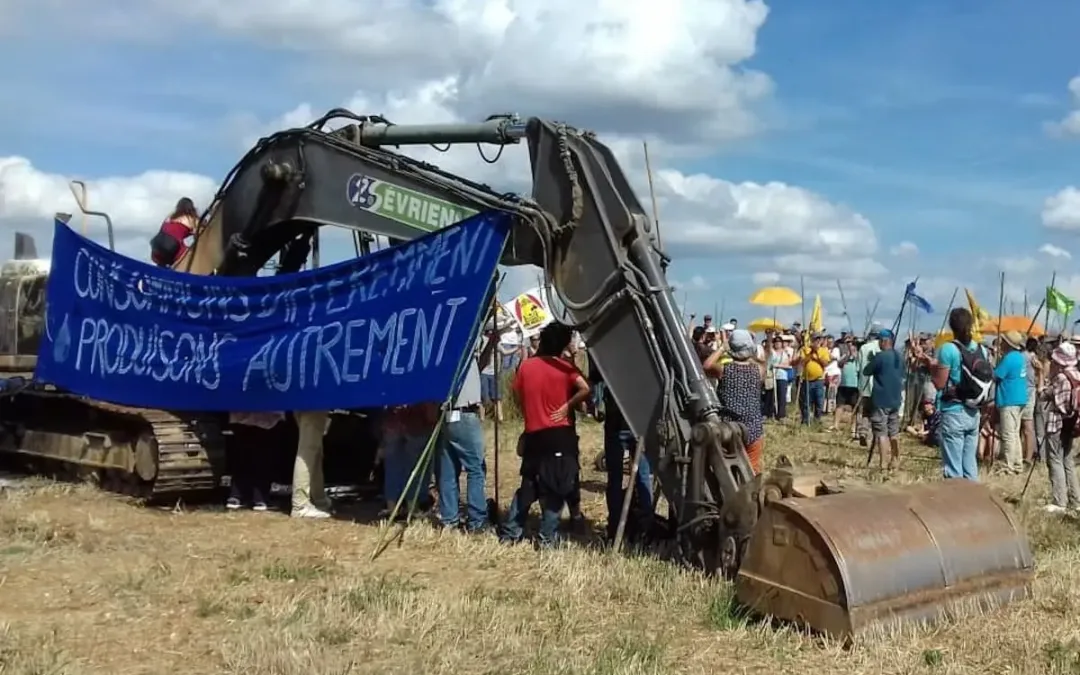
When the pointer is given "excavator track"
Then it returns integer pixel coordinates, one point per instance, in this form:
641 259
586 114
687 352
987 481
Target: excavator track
154 454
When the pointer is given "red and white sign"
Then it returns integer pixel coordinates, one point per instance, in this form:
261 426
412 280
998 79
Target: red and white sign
530 312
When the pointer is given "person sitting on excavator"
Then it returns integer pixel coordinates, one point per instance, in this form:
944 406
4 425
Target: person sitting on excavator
170 243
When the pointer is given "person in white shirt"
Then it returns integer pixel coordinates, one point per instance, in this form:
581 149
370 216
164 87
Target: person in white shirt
832 378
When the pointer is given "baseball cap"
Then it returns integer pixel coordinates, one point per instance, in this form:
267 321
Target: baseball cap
885 334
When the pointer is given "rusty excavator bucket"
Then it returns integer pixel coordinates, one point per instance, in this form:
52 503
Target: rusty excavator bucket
873 559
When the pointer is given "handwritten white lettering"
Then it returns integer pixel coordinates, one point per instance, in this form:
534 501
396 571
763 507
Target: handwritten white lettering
107 349
401 343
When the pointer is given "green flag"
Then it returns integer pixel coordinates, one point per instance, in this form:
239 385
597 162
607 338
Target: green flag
1057 302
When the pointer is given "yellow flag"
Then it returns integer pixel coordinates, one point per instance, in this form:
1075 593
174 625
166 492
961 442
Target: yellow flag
816 324
978 314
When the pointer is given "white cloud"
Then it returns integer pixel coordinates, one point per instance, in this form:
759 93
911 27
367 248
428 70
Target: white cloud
905 249
628 66
634 68
137 204
765 278
694 283
1062 211
1070 124
1055 251
797 231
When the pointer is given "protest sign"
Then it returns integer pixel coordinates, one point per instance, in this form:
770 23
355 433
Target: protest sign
530 312
387 329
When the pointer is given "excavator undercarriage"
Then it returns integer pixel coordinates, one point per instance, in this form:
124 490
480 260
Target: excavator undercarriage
841 563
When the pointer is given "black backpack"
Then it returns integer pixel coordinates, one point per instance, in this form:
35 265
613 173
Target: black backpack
976 386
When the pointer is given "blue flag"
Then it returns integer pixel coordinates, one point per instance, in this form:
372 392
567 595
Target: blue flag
387 329
917 300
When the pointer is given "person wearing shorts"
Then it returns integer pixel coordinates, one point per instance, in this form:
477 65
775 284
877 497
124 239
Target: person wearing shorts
887 370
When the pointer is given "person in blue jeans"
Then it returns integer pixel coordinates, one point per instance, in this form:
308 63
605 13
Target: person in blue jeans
958 424
618 442
461 448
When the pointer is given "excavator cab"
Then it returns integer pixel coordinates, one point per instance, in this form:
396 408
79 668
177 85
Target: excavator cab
839 563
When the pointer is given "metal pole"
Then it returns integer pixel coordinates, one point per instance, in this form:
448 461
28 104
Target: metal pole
652 195
81 202
497 355
843 303
628 495
1001 310
497 131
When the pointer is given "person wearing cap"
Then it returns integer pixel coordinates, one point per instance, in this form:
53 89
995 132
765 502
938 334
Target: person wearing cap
739 388
812 359
1010 398
887 371
1064 381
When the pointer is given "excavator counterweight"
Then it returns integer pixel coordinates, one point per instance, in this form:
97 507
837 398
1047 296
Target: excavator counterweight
839 563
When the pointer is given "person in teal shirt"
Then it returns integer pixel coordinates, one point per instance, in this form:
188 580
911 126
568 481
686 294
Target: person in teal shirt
958 430
847 395
1010 397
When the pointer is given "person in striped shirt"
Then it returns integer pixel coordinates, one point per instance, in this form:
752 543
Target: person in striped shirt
1060 430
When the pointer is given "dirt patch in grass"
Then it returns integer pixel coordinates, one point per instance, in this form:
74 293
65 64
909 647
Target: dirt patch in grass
91 583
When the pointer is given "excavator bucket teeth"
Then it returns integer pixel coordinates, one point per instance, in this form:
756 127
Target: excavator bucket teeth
858 562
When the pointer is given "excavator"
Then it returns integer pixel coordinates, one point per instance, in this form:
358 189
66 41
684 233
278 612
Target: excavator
844 562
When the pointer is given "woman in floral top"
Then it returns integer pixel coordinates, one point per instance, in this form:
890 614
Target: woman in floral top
739 388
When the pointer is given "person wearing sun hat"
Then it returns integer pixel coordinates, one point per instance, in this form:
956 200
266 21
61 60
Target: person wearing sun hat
1010 397
1064 381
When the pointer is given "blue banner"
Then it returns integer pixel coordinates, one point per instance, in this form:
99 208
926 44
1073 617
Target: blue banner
386 329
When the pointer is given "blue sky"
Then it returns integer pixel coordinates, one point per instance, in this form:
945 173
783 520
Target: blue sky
927 118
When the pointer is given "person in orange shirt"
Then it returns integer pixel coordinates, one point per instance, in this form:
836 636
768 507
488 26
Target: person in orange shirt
811 360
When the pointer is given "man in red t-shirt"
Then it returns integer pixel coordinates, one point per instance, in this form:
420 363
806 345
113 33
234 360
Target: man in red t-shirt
548 388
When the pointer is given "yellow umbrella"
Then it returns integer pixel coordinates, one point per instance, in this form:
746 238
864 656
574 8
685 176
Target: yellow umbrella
1020 324
763 324
775 296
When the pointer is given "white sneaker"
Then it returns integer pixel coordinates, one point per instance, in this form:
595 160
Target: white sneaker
1054 508
309 511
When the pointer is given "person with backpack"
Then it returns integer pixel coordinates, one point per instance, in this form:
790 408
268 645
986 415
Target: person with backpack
1061 413
964 377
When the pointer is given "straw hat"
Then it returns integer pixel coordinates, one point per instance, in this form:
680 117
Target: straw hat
1014 339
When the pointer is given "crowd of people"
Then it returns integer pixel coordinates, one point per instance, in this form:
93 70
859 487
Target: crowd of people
1005 405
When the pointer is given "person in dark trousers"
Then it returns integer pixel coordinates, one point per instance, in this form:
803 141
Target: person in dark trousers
887 370
249 474
619 442
547 388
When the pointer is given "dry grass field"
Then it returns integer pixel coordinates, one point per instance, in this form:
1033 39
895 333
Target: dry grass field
91 583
